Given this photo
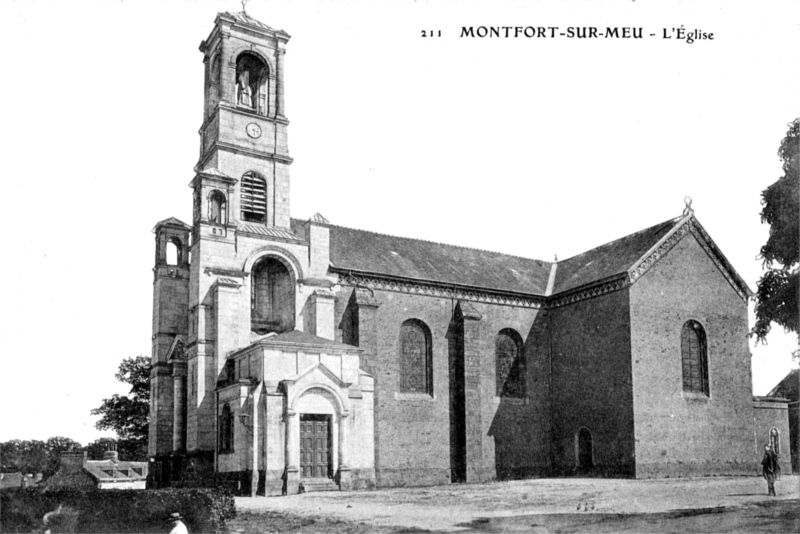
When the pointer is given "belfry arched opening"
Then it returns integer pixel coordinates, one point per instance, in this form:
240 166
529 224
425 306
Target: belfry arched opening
272 302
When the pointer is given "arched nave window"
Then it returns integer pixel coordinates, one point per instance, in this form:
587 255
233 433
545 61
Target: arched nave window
694 358
416 374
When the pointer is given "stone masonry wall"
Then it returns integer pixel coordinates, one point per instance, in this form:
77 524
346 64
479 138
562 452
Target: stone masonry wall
591 376
516 431
768 414
227 328
170 319
680 433
413 431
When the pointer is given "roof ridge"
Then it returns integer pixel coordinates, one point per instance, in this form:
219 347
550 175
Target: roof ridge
244 16
627 236
439 243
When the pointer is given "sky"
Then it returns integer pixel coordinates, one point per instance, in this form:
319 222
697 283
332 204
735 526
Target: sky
535 147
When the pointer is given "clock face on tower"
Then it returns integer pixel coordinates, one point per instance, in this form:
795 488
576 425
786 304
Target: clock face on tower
253 130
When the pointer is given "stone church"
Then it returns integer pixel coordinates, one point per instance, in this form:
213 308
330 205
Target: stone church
295 354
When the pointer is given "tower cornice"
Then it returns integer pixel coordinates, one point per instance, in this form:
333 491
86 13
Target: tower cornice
243 21
243 112
266 156
252 114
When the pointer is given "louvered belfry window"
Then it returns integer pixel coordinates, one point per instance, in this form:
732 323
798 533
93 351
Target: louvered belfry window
254 197
694 358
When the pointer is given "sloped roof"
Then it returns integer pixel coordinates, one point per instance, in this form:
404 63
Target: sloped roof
369 252
177 348
260 229
302 338
73 480
172 221
789 387
417 260
213 171
108 471
297 339
608 260
242 17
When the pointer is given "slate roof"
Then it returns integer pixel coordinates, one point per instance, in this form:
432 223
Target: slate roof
244 18
172 221
108 471
789 387
302 338
213 171
402 258
260 229
369 252
70 480
608 260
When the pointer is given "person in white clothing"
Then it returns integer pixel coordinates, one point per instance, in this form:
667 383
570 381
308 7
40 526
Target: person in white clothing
178 527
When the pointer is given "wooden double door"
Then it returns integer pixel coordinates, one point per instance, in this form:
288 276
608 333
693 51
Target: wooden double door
316 455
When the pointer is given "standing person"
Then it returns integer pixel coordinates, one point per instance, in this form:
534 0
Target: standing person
178 527
771 469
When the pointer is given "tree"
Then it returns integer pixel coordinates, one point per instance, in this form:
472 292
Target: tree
127 414
34 456
98 447
54 447
777 295
9 452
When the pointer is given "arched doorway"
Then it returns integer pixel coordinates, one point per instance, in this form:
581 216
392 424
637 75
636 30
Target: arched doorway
584 453
319 433
316 447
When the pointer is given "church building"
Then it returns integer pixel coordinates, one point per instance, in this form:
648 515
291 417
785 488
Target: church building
295 354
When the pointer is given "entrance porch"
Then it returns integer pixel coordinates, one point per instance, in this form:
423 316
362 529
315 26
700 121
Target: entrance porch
296 431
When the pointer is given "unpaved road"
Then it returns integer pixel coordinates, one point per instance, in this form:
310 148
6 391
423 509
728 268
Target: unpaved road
537 505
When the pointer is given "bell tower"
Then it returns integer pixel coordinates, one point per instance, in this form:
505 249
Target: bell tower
242 273
241 205
243 170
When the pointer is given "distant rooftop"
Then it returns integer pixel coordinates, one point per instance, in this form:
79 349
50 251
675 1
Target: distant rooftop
789 387
109 471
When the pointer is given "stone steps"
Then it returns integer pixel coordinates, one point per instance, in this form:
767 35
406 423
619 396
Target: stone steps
318 484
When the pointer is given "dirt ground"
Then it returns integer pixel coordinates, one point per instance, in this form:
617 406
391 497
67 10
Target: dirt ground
712 504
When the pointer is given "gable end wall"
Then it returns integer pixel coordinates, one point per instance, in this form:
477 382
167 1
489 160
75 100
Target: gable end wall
680 434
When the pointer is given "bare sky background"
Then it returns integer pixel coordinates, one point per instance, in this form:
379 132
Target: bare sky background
532 147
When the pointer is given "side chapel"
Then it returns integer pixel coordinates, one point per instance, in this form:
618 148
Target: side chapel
292 352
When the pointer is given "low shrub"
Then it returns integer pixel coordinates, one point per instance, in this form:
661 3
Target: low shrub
118 511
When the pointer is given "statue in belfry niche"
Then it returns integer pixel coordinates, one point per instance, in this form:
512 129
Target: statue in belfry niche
251 78
244 95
